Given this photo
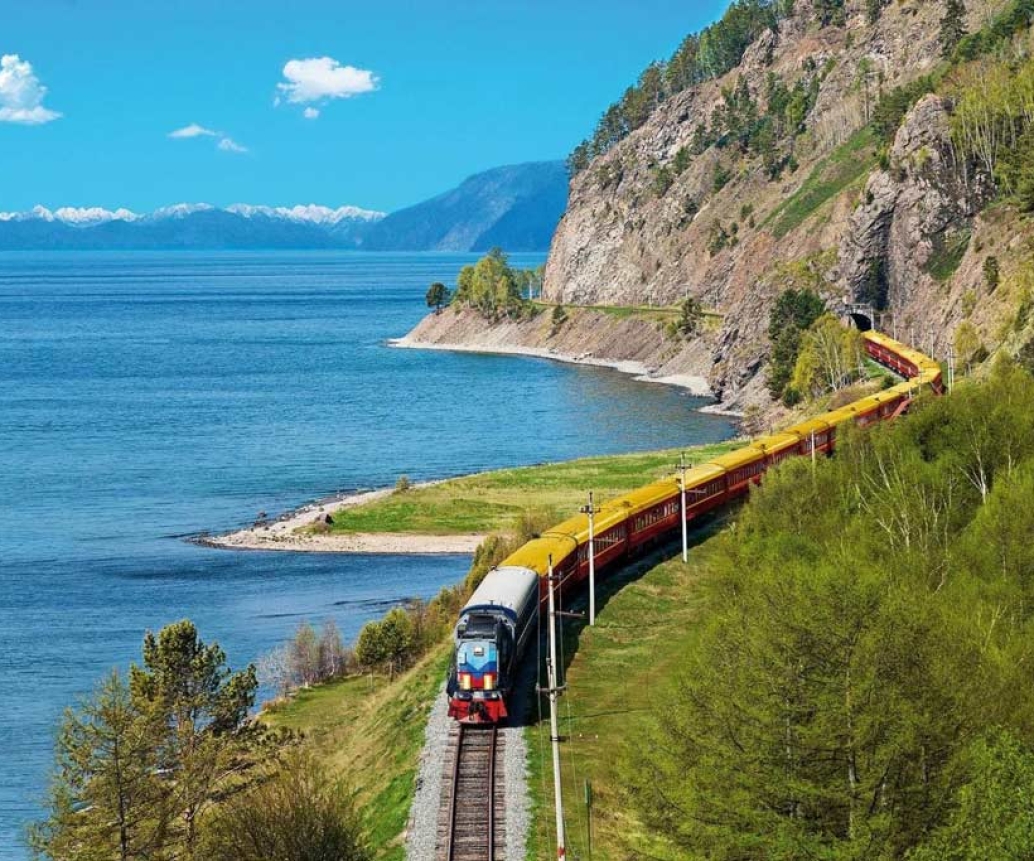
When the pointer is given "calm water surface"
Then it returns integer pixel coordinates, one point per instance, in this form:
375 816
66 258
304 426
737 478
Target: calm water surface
144 397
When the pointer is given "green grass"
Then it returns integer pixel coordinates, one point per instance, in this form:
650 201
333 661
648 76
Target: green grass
623 312
847 164
495 501
619 674
372 731
947 255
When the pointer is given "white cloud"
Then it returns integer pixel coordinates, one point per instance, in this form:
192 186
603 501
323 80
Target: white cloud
21 93
230 145
310 113
319 78
226 143
193 131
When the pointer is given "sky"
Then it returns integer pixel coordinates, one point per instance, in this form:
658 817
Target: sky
142 104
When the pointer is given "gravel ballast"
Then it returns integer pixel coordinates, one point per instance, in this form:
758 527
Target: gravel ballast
424 816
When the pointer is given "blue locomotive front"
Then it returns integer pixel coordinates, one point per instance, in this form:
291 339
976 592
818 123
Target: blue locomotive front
490 636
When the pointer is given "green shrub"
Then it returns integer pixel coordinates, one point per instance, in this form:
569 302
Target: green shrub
303 812
992 275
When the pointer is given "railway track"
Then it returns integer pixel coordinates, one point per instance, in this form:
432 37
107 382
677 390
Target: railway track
471 825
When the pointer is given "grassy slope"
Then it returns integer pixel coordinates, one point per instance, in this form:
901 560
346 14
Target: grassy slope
494 501
619 672
373 731
847 164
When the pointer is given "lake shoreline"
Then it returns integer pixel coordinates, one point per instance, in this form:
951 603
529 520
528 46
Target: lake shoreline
284 533
640 371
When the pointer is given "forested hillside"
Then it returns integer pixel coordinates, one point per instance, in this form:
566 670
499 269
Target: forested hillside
866 151
857 687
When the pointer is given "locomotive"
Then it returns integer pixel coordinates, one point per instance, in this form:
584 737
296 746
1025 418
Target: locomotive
491 634
497 622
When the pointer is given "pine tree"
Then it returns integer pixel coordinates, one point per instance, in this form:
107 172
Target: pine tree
953 26
186 688
437 295
107 798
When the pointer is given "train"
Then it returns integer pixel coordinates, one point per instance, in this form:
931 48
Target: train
502 614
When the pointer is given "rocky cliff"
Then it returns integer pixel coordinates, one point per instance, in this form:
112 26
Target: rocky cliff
860 208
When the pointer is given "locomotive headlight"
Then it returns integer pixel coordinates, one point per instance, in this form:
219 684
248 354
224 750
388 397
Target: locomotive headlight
489 681
465 682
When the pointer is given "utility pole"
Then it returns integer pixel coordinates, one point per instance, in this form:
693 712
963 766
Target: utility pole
681 465
813 449
554 731
590 509
951 368
588 818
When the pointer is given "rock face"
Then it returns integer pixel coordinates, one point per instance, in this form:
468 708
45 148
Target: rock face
877 234
911 213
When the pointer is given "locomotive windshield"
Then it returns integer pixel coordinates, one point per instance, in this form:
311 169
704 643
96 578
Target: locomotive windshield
480 626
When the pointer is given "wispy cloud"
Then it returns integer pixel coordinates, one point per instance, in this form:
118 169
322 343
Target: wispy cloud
319 79
230 145
21 93
225 143
193 131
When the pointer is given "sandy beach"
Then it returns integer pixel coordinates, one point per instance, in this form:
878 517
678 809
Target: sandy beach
284 533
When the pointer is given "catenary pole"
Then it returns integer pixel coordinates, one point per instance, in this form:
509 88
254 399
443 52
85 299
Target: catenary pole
554 731
685 525
590 509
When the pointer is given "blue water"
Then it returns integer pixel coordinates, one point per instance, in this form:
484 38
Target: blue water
144 397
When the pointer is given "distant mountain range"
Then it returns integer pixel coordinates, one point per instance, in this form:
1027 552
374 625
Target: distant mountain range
515 207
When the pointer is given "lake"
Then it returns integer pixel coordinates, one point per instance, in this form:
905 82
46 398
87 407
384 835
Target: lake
145 397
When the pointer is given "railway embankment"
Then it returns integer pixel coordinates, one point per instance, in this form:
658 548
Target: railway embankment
390 734
372 729
617 673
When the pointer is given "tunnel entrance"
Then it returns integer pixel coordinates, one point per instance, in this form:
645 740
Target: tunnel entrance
863 322
863 316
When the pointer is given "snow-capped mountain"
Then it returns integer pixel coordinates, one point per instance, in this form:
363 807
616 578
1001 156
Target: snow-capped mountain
311 212
80 215
180 210
187 225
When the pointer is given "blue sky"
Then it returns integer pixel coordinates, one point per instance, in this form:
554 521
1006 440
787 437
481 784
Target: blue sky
411 97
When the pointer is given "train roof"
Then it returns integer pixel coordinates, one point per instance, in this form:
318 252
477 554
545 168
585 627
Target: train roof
652 494
806 428
535 553
839 416
777 442
508 588
739 457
